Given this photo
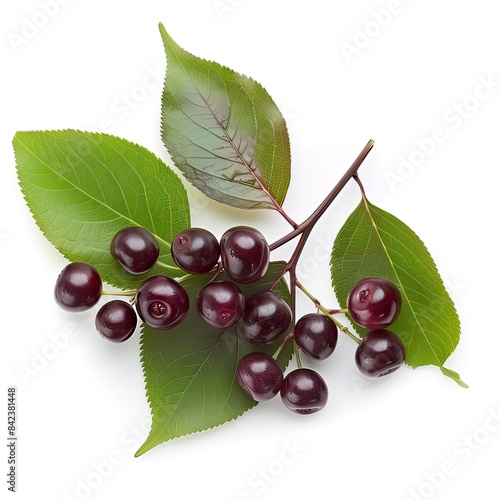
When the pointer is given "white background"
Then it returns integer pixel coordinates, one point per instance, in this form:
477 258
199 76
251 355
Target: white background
381 440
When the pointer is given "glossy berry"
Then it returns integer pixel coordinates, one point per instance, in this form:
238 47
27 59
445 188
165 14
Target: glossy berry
116 321
195 250
381 352
221 304
266 318
161 302
78 287
304 391
374 303
136 249
259 375
245 254
316 334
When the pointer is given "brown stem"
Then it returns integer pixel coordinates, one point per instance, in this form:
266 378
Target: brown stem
304 230
306 226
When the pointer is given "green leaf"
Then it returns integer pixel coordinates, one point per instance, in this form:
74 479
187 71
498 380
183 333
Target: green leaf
374 243
82 188
190 369
223 131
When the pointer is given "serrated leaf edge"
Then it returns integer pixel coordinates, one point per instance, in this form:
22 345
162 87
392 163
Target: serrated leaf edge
38 220
446 371
273 203
146 446
401 287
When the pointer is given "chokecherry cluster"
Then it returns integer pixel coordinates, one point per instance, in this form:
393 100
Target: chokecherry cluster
162 302
302 391
373 303
262 319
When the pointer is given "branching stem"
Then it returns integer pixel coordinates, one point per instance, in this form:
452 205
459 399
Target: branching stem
306 227
304 230
118 293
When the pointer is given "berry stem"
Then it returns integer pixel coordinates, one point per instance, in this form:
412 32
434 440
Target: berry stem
182 278
297 355
293 298
118 294
325 311
167 266
338 311
282 345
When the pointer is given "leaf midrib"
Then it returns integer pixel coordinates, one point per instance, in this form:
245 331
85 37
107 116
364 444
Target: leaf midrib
224 130
88 195
403 289
162 431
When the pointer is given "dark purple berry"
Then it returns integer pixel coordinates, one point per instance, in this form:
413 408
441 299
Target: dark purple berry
304 391
136 249
245 254
221 304
259 375
78 287
161 302
195 250
316 334
266 318
374 303
116 321
381 352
